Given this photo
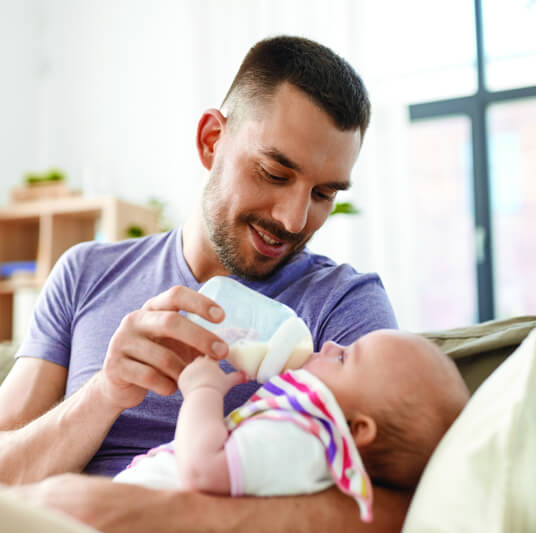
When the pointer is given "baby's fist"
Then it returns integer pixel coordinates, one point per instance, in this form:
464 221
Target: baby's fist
203 371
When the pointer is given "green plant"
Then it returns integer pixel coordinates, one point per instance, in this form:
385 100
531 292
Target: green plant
159 208
345 208
51 175
133 232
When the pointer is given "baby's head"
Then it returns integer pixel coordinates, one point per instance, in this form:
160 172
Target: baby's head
399 393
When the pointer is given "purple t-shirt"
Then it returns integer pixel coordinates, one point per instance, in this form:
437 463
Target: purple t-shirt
94 285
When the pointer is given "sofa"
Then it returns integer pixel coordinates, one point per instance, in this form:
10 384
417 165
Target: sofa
7 351
481 476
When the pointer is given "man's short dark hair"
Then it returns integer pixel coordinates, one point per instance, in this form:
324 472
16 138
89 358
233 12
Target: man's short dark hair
315 69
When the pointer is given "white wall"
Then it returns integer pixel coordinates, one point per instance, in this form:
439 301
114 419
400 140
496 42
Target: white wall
111 91
20 74
120 102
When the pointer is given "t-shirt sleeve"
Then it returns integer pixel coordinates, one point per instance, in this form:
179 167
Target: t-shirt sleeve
49 333
275 457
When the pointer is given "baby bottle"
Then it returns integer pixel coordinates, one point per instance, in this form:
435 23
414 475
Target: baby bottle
265 337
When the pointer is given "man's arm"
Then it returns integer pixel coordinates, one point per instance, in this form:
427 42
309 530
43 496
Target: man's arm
121 508
39 436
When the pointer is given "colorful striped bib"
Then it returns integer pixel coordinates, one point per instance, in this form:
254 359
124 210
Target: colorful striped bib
300 397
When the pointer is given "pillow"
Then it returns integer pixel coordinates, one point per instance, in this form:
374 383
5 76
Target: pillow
482 476
19 515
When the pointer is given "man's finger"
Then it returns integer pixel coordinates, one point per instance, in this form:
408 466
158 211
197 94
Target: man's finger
134 372
163 358
172 325
179 298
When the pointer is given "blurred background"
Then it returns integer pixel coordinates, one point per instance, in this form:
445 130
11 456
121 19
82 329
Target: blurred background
110 91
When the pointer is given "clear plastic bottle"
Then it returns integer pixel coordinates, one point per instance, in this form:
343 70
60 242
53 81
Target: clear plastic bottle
265 337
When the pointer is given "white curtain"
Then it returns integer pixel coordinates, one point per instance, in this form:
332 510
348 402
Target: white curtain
118 87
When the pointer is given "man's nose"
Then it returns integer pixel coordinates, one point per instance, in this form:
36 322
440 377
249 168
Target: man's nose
292 209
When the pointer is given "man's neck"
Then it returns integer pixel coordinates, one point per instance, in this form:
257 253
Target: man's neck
198 250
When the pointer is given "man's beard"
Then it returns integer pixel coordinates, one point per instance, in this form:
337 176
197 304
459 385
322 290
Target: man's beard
227 245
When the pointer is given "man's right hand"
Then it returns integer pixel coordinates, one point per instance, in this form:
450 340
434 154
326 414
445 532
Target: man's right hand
153 344
147 352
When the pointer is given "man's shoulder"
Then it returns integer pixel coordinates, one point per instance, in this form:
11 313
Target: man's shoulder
336 301
103 253
321 265
89 263
311 272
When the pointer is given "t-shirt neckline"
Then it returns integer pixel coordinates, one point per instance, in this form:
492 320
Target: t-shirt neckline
184 269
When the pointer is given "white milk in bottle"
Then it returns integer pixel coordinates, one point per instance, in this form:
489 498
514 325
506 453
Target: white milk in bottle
265 337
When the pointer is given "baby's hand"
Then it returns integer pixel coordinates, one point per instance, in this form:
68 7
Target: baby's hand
205 372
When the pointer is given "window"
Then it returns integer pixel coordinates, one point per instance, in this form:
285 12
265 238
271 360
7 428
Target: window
509 43
512 142
433 65
440 198
481 177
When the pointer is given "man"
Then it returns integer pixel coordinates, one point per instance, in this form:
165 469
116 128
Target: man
106 333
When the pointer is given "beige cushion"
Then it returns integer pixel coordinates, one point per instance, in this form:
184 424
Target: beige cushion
7 351
480 348
482 476
18 515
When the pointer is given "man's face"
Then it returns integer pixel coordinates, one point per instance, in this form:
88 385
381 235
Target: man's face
273 182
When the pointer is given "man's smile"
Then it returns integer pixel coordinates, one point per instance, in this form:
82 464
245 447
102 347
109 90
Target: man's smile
266 244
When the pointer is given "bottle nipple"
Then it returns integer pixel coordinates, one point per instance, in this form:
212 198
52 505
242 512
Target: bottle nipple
289 347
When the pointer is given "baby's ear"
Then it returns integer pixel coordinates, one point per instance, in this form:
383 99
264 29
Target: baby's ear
363 429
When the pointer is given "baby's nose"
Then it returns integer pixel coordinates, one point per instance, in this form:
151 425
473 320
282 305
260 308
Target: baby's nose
330 348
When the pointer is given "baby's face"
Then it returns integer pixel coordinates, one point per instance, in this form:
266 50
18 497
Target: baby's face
362 375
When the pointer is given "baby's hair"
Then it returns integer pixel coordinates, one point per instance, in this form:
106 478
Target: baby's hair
410 426
398 455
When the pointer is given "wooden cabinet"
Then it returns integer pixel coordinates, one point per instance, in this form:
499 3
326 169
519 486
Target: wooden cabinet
41 231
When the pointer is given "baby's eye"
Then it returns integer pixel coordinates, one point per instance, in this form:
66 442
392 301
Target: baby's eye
341 357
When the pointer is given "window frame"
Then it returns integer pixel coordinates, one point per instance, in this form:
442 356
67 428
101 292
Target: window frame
475 107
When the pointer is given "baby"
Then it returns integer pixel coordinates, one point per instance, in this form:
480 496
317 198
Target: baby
376 408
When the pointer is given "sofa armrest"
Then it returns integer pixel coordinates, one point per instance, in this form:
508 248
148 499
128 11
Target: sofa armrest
479 349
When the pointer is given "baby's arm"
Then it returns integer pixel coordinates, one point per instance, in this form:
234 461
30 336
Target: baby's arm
201 432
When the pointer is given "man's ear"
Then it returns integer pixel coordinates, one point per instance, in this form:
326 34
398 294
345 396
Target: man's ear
209 131
363 429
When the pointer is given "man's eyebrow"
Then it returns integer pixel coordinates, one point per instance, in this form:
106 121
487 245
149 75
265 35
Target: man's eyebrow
282 159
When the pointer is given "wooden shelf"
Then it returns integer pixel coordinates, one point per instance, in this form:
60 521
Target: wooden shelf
42 230
8 286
